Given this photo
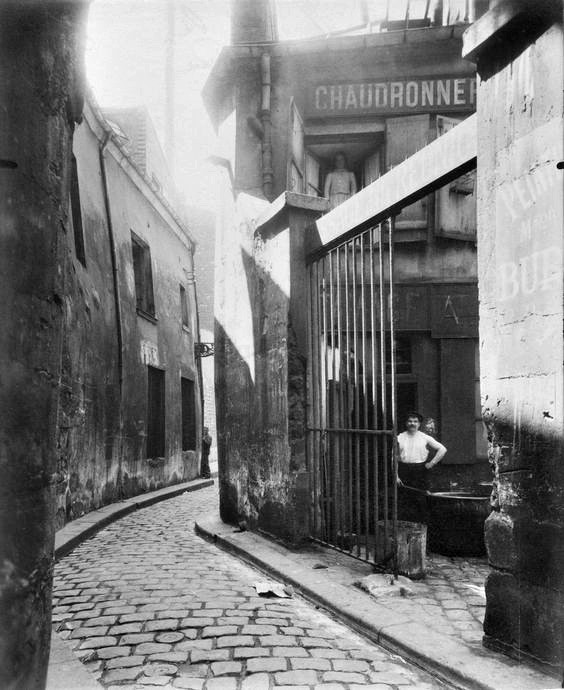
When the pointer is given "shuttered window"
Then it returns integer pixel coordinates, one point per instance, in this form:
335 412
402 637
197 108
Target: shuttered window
142 270
185 314
296 152
404 136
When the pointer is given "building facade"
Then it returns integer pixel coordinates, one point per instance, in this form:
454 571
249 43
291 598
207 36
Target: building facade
293 107
130 413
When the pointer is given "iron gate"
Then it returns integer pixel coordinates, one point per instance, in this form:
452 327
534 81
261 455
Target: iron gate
352 407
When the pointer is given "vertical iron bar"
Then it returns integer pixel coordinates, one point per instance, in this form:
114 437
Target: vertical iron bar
348 425
373 400
383 393
323 454
331 410
365 438
356 402
341 423
316 400
309 387
393 398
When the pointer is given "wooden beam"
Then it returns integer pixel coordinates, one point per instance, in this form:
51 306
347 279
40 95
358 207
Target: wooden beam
442 161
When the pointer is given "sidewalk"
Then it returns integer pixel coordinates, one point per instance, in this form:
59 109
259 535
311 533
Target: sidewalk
65 671
437 628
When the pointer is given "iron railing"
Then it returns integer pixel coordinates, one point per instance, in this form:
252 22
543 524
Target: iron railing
352 400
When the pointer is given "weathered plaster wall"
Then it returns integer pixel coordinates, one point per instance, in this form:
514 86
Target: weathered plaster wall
520 272
40 98
102 431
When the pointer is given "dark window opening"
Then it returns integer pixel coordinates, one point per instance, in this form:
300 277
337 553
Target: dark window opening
143 275
402 354
155 413
184 307
188 415
76 214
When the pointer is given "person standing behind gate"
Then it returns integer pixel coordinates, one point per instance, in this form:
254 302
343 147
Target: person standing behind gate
414 447
206 445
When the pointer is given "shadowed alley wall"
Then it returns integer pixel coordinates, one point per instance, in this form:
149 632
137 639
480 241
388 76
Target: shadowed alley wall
41 55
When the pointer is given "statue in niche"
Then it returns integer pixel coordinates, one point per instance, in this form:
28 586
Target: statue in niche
340 184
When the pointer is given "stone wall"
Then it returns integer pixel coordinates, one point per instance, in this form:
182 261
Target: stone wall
106 348
41 54
520 259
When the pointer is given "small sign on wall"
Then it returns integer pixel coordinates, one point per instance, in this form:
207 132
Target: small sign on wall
149 353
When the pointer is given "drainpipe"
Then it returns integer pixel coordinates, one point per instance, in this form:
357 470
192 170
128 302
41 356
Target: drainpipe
117 300
265 116
190 279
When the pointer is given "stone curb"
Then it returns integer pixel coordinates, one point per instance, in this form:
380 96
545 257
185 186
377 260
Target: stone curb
75 532
447 658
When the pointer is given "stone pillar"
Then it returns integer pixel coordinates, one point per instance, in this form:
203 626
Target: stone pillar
518 47
40 98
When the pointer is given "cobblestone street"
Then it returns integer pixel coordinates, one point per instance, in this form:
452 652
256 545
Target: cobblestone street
146 602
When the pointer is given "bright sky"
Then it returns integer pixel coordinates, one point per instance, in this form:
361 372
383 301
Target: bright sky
125 60
126 50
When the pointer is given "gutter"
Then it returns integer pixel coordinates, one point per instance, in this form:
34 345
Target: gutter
117 299
191 280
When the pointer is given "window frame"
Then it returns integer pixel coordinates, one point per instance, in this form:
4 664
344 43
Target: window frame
143 274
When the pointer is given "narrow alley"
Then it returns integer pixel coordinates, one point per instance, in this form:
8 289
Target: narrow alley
146 602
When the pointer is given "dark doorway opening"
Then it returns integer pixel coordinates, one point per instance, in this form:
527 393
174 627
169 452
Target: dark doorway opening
156 412
188 415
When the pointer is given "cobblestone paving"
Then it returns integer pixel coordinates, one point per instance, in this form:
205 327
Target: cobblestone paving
148 603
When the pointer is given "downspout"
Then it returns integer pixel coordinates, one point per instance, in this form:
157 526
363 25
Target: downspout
266 121
190 279
117 300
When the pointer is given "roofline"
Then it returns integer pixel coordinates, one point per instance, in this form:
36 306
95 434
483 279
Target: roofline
102 129
221 75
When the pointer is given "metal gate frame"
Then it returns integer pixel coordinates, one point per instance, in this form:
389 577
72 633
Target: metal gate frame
352 426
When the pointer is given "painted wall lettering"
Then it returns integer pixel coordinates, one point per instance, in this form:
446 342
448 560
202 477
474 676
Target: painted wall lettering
400 95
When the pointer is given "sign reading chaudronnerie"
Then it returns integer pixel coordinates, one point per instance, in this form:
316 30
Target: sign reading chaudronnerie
395 96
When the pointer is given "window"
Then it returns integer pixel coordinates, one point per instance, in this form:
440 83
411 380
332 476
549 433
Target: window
76 214
184 308
155 413
143 276
188 415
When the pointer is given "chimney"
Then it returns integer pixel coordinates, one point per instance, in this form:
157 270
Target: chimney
253 21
